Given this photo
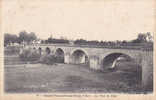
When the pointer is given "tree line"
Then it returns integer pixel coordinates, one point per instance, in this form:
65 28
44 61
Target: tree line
54 40
26 37
142 38
23 36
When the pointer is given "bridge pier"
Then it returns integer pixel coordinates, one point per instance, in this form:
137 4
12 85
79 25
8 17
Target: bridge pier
94 63
147 70
67 58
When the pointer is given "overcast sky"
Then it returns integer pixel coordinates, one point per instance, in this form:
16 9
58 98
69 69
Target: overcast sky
74 19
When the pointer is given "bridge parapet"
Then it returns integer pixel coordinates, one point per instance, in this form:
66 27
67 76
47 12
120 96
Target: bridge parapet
138 47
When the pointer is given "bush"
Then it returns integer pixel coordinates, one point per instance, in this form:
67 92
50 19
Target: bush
29 55
11 50
33 55
59 59
48 59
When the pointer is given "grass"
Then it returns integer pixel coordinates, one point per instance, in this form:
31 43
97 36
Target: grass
64 78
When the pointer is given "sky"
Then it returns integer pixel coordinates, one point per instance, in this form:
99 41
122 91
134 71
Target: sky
74 19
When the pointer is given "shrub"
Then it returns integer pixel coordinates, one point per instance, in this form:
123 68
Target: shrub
33 55
11 50
29 55
48 59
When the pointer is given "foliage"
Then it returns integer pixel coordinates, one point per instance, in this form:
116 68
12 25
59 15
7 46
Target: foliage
10 38
95 42
29 55
47 59
27 37
23 36
12 50
143 38
33 55
53 40
50 59
79 41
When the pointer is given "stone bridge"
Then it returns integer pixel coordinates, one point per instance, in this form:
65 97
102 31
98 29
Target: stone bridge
97 57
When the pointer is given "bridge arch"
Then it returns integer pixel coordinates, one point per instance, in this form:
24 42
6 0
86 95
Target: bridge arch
59 53
125 64
47 50
79 56
109 59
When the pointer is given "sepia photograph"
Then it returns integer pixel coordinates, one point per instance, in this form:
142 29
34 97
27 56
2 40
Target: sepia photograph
78 46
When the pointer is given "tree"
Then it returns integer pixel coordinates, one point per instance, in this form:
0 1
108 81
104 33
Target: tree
140 39
31 36
149 37
10 38
124 41
23 36
27 37
80 41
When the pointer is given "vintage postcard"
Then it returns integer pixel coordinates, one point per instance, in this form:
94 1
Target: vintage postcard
77 49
